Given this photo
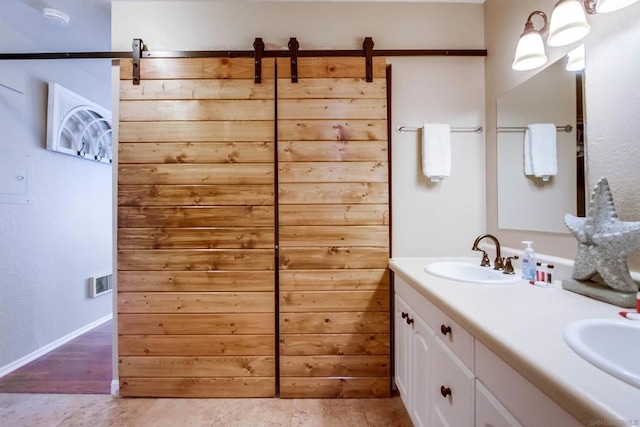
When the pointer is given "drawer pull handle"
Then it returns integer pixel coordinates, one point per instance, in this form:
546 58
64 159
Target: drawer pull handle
445 329
445 391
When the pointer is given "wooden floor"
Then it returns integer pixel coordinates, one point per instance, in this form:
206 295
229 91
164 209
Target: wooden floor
82 366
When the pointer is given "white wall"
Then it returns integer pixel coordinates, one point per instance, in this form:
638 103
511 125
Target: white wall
612 105
51 247
428 219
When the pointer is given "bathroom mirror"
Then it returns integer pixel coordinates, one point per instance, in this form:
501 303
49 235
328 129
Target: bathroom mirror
525 202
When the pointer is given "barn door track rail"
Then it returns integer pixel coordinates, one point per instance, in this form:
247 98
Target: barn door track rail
139 51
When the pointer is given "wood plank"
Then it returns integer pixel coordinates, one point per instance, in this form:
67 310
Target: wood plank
331 388
195 68
196 259
324 67
196 302
196 216
327 130
332 151
332 280
196 281
231 173
214 109
342 235
176 131
296 172
343 301
195 152
334 366
196 324
335 323
330 88
296 258
198 387
196 238
333 193
314 109
334 344
205 345
217 89
200 366
195 195
334 215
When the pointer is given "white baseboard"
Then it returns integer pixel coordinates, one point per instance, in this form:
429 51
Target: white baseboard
115 387
4 370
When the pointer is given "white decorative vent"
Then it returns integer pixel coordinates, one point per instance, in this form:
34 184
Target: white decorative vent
77 126
100 285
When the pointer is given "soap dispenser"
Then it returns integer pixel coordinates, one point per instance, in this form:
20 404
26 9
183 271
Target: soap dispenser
528 262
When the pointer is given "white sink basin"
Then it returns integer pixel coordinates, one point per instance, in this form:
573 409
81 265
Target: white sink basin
465 272
611 345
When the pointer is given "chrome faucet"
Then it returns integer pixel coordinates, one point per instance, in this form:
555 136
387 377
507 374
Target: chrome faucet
498 263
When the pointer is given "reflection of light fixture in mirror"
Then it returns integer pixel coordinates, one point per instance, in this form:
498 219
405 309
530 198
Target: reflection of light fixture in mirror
530 50
575 59
57 16
604 6
568 23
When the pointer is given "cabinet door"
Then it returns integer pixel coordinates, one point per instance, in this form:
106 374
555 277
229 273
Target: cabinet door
453 388
490 412
422 342
402 341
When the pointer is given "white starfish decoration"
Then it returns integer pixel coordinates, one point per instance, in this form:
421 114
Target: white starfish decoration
604 241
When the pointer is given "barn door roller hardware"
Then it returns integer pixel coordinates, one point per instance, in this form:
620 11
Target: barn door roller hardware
293 53
137 47
258 46
367 46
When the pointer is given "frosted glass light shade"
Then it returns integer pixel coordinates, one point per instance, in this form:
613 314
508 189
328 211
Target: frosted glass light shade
529 52
604 6
568 23
575 59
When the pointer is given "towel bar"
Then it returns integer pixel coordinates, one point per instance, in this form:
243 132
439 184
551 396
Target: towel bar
415 129
565 128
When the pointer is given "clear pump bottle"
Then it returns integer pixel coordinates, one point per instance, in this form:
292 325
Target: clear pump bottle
528 262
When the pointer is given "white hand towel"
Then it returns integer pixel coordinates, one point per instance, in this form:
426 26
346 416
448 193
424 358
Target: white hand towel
543 150
436 151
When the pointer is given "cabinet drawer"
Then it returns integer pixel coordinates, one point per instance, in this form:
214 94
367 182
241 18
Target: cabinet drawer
529 405
454 336
453 389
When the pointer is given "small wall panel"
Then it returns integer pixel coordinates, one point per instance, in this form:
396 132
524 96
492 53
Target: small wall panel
333 229
196 216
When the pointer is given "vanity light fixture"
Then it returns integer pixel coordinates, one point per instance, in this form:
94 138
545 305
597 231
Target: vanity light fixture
575 59
530 50
568 25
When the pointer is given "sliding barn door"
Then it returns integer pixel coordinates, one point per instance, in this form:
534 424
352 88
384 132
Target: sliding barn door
196 219
333 229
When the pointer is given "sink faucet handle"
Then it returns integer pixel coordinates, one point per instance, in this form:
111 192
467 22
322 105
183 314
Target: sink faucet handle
485 258
508 268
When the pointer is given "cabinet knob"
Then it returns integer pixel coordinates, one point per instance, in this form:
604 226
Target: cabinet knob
409 320
405 315
445 391
445 329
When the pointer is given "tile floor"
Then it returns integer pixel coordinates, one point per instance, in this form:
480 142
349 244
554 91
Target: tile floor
93 410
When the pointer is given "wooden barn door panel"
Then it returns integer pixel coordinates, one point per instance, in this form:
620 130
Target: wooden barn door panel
196 229
333 229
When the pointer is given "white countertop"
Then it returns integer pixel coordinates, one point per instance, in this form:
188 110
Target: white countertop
523 324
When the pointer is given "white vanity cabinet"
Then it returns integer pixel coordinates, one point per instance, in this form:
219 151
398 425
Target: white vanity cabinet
447 377
435 384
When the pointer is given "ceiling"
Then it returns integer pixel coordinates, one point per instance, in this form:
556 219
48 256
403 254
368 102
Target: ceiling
89 29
